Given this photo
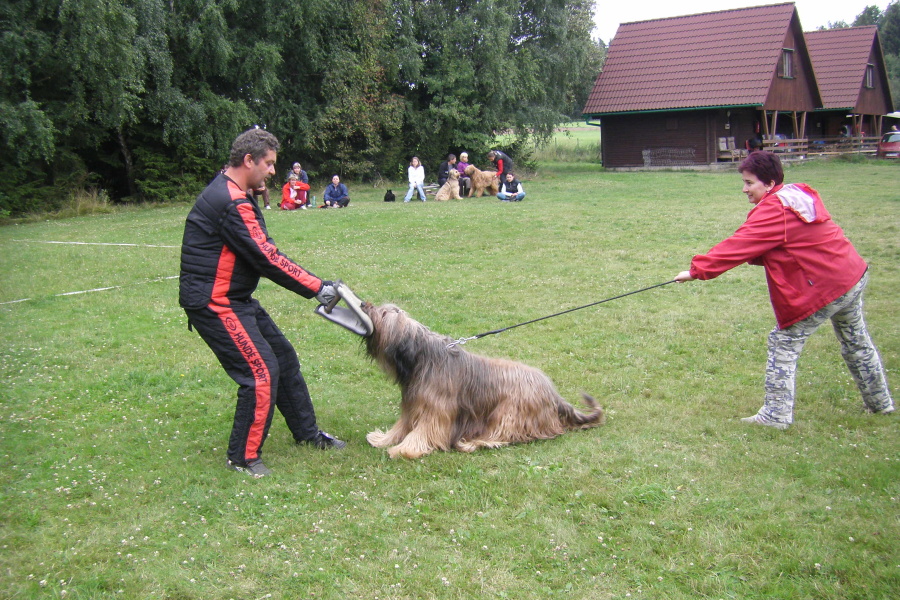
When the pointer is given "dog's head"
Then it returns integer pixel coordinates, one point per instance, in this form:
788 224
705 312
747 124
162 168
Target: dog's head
397 342
470 169
454 174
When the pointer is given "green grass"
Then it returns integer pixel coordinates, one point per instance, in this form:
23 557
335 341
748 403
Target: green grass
116 416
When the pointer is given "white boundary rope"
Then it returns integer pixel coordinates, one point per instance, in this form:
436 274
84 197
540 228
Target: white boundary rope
94 244
103 289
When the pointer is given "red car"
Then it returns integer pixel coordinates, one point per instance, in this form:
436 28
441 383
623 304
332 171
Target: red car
889 146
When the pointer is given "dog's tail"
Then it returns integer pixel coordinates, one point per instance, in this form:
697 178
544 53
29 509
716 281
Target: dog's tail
575 419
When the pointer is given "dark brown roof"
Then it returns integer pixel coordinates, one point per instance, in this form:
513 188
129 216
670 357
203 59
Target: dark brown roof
725 58
839 59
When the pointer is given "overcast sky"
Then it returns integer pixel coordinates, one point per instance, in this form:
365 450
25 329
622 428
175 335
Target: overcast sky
608 14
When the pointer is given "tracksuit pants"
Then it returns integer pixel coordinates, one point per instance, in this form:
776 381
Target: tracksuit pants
264 364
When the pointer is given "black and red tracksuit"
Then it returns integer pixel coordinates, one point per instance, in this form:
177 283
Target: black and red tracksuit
225 251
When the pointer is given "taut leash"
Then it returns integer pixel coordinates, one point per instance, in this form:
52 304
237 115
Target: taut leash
462 341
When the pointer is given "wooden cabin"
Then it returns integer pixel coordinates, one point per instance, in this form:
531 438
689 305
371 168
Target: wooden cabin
692 90
852 79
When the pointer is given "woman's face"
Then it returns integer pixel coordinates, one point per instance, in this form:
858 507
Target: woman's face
415 162
755 189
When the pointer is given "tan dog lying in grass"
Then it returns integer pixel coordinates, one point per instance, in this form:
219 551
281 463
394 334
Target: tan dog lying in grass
450 189
454 400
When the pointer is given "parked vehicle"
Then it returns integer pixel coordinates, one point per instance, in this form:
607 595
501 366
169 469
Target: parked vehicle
889 146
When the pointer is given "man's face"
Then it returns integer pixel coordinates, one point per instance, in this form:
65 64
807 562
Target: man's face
261 169
452 161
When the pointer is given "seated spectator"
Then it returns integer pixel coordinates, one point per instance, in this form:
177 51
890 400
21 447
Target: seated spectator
297 170
444 169
294 194
336 194
511 189
465 182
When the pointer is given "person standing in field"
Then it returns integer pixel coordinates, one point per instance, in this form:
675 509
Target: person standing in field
814 275
225 251
501 162
416 174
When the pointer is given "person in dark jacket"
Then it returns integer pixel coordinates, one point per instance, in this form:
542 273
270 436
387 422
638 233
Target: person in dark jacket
225 250
511 189
444 169
501 162
336 194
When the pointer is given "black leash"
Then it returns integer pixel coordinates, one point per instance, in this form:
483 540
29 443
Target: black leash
462 341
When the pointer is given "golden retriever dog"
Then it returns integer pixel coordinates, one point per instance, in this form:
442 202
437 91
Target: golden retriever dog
450 189
454 400
483 181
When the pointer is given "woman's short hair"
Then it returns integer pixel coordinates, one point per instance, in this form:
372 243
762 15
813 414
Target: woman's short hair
766 166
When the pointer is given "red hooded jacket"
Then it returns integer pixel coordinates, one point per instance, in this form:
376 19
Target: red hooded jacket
809 262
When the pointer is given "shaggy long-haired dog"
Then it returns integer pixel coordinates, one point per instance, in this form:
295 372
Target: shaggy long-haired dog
450 189
454 400
483 181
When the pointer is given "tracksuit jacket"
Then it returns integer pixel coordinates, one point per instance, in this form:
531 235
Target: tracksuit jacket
226 248
809 261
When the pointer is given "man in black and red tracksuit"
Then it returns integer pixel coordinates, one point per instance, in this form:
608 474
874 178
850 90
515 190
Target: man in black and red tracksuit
225 251
501 162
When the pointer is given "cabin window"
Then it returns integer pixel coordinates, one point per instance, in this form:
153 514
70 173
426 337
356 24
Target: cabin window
787 63
870 76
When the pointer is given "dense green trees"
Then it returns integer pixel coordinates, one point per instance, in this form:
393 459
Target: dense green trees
143 97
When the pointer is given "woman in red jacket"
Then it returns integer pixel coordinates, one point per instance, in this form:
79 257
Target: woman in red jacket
814 274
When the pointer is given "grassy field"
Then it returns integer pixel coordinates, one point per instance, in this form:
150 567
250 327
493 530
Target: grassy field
115 417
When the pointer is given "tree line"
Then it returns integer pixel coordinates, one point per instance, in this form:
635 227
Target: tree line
142 98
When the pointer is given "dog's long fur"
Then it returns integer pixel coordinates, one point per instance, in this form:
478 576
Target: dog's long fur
454 400
450 189
483 181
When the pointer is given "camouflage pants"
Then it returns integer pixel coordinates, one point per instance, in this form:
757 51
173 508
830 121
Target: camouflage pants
857 350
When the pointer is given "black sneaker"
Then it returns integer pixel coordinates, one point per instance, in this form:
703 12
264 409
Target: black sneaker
325 441
254 468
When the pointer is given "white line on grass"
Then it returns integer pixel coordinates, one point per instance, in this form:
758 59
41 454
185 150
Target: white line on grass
103 289
94 244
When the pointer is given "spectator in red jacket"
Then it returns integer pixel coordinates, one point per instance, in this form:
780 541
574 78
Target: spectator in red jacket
814 275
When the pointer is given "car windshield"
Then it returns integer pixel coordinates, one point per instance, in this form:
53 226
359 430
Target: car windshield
891 137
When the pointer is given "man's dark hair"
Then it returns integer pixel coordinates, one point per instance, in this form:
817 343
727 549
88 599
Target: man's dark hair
450 157
255 142
765 165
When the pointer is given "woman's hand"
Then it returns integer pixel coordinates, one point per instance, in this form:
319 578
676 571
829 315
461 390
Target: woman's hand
684 276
